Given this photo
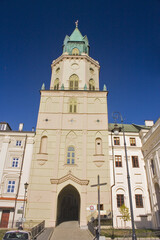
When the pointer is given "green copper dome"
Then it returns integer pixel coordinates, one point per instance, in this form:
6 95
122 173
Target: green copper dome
76 43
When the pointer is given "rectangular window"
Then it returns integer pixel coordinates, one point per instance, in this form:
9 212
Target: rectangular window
135 162
18 143
139 200
132 142
15 162
11 186
120 200
71 155
3 127
118 160
116 141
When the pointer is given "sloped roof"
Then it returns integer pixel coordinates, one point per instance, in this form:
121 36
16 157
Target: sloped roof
76 35
128 127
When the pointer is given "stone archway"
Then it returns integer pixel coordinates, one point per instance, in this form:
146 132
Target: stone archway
68 206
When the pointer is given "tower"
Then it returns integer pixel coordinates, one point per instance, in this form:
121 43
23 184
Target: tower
71 143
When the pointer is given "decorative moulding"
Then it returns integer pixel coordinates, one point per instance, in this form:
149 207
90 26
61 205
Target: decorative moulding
98 163
67 177
99 160
42 158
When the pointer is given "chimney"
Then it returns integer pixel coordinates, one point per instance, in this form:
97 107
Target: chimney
20 127
149 123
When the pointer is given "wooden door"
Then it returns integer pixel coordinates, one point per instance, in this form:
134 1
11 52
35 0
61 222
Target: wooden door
4 219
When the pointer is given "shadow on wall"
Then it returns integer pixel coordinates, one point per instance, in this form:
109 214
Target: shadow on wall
143 223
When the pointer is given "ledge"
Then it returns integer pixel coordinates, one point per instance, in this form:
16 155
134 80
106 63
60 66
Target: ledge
42 158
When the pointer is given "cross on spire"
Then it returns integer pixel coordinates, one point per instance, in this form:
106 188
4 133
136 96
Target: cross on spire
76 24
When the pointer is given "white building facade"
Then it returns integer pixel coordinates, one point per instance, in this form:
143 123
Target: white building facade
119 185
16 148
151 152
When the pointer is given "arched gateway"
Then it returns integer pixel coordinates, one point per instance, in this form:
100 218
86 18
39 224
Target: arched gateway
68 206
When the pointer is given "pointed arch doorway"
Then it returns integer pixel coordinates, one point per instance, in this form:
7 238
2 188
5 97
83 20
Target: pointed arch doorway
68 206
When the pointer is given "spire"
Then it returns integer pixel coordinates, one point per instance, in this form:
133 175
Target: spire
77 41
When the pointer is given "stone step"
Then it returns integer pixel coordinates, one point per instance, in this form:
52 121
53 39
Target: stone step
70 231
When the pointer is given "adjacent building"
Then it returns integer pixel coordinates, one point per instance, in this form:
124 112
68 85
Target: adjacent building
119 185
151 152
15 158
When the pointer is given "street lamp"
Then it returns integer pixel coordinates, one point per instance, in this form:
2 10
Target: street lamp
116 131
25 188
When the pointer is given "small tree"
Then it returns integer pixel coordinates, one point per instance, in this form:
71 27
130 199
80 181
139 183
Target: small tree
125 214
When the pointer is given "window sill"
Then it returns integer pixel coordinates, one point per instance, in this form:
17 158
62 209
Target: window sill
70 165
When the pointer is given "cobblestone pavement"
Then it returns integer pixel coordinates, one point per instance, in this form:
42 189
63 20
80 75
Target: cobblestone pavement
46 234
70 231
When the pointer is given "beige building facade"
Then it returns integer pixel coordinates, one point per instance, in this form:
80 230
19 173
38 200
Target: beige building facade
71 143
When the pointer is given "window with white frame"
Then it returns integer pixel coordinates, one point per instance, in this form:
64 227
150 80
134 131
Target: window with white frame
70 155
132 142
139 200
120 200
116 141
118 160
15 162
135 162
18 143
11 186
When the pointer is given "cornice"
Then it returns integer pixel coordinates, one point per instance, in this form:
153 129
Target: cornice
63 56
67 177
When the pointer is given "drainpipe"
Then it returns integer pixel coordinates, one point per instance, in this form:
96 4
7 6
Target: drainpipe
113 177
19 181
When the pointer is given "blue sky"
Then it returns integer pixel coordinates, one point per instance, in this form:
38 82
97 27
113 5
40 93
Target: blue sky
124 36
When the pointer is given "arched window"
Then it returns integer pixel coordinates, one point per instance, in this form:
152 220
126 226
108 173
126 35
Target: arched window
98 146
91 85
75 51
56 84
70 155
43 145
73 82
91 70
57 70
73 105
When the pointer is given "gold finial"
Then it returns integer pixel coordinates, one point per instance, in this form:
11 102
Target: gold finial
76 24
